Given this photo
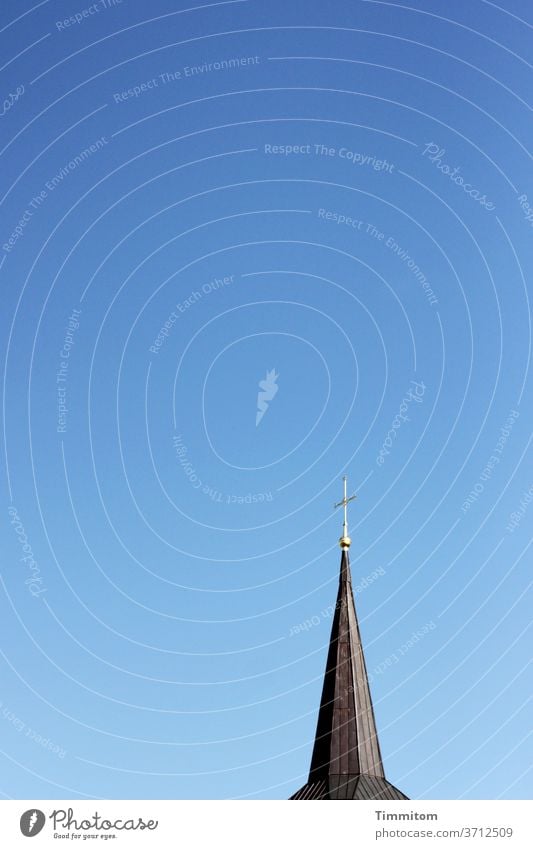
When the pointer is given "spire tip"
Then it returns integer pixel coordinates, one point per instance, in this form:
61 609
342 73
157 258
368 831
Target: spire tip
345 540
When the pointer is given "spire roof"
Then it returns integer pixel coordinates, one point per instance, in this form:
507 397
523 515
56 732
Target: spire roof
346 761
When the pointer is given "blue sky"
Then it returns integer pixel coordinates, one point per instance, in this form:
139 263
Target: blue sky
335 202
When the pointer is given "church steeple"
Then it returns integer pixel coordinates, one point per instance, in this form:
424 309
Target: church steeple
346 761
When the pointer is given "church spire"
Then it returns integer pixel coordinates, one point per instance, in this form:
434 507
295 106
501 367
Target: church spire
346 761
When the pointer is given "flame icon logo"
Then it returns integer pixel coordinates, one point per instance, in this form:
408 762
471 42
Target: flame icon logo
32 822
269 388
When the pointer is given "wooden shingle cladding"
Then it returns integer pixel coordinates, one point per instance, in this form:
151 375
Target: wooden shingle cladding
346 761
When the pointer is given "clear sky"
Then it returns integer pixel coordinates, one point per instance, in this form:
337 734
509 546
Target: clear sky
332 200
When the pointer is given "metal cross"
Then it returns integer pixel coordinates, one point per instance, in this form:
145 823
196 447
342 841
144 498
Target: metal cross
344 503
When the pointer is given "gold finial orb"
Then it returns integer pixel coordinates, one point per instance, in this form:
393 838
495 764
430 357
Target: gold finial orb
345 542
